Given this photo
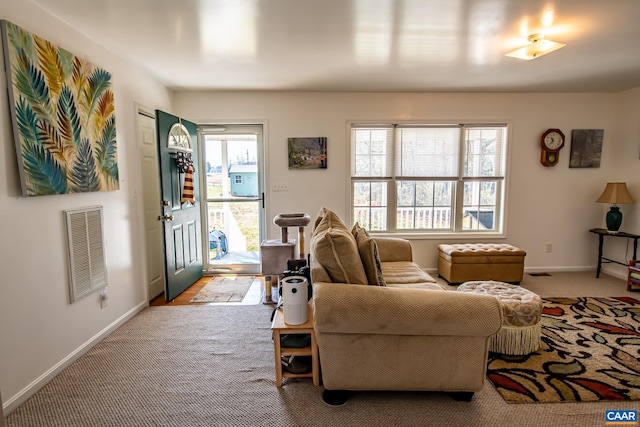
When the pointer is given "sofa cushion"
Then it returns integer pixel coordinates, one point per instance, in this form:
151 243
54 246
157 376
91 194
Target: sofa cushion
336 249
407 274
368 250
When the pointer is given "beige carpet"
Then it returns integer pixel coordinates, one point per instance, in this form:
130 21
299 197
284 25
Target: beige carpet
224 289
213 366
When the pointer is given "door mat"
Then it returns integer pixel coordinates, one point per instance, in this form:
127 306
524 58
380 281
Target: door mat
589 352
224 289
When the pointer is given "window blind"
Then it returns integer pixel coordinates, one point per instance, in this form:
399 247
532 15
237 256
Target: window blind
372 151
483 151
427 152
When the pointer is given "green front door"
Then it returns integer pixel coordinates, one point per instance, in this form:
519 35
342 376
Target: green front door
177 145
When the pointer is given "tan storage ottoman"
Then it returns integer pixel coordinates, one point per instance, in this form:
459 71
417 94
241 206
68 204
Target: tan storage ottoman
464 262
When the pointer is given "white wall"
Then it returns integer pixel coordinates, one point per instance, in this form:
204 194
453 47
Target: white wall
628 155
553 205
626 169
39 329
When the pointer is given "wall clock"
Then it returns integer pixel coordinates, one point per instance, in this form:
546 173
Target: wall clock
551 143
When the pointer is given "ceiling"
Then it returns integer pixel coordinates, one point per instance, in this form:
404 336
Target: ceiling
367 45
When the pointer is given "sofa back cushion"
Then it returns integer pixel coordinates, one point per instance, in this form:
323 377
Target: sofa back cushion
336 249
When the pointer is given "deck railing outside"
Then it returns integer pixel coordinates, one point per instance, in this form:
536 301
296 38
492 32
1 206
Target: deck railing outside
420 218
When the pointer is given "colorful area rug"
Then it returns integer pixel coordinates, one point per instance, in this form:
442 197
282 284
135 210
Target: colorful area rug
224 289
590 351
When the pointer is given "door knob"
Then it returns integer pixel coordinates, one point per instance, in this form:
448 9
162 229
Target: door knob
165 218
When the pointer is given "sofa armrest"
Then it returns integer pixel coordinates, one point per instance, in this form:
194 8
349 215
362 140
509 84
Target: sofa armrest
378 310
393 249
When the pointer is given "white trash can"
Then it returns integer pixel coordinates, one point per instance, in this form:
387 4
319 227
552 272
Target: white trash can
294 299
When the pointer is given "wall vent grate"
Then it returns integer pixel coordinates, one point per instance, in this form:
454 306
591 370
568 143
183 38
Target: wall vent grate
87 264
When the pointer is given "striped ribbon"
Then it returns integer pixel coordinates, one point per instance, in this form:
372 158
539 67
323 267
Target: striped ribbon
187 189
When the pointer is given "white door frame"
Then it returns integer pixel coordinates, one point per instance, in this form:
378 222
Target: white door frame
261 160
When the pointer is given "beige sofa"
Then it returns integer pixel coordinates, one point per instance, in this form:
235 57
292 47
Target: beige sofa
382 323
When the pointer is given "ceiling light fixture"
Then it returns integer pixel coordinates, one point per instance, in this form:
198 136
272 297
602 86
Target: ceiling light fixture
537 47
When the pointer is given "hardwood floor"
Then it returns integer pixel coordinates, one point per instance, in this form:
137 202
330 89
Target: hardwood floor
255 294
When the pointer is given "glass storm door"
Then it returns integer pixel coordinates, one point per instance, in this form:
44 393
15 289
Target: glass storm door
232 200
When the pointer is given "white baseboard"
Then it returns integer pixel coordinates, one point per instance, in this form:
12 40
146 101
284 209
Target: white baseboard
574 269
13 402
608 270
567 269
615 273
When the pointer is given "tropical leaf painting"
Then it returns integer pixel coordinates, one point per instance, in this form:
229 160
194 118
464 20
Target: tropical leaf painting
63 115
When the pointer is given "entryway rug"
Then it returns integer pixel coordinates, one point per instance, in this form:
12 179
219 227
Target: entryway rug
590 351
224 289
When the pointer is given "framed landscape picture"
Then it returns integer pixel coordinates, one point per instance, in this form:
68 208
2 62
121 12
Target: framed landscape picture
63 117
307 153
586 148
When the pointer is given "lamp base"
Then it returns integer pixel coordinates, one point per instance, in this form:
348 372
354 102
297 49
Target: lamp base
614 219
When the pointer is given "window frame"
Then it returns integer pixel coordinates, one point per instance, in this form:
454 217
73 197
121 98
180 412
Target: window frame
456 232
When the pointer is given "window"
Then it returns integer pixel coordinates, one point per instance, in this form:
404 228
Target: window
428 178
238 179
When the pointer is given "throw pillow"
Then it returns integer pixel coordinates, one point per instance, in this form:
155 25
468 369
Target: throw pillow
368 250
327 219
335 248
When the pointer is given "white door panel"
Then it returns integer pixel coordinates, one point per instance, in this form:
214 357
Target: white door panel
152 208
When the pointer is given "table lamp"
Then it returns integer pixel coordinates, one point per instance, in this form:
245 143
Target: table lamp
615 193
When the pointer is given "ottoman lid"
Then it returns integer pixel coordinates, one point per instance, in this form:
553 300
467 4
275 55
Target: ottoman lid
480 249
520 306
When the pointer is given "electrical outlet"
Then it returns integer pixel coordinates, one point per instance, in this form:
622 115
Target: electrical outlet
104 298
280 186
549 248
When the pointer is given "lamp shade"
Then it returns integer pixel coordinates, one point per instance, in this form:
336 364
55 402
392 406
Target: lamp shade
615 193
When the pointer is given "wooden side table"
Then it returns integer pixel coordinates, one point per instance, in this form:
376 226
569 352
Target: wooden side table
280 328
601 232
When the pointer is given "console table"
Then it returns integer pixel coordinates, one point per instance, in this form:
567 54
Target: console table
602 232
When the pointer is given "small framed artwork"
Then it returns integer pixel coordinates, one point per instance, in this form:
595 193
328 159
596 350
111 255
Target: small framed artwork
586 148
307 153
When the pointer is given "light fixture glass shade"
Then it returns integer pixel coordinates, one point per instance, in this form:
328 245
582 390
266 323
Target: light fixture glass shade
537 47
615 193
